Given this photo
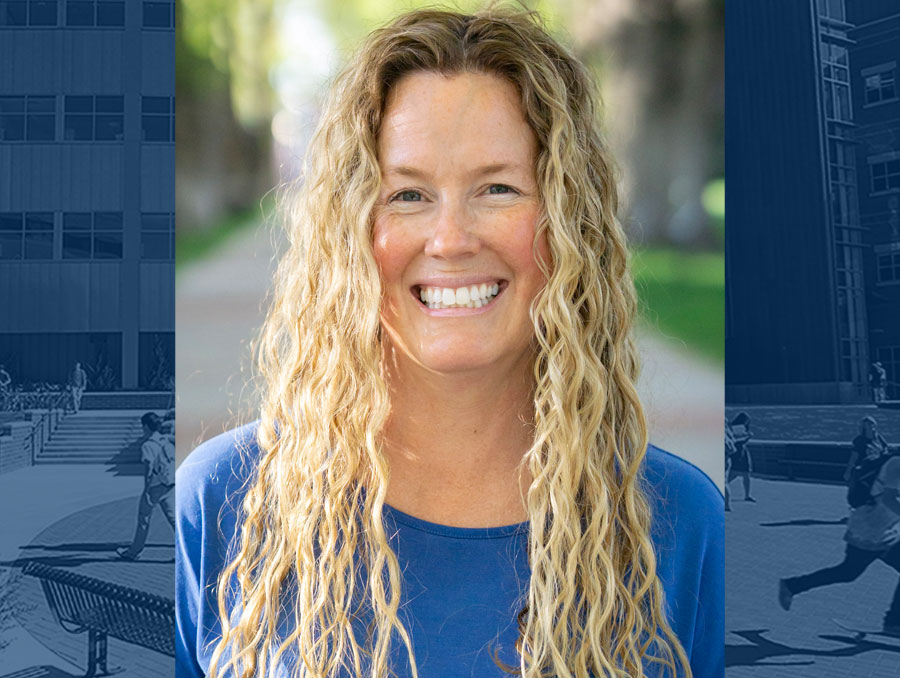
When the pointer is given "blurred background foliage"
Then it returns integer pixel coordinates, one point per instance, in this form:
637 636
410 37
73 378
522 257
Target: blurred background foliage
250 75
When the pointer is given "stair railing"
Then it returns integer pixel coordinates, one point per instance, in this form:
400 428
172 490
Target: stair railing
37 442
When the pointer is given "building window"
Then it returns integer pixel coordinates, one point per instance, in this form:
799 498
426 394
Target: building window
833 9
27 118
28 12
158 236
26 235
880 83
158 119
94 118
92 235
885 175
836 76
95 13
159 14
888 264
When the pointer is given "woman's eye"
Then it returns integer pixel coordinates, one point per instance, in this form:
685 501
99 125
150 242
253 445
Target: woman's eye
500 189
407 196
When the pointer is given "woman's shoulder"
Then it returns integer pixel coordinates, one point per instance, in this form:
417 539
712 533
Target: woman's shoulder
218 468
678 488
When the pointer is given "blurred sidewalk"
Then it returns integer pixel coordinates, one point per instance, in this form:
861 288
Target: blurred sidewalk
219 310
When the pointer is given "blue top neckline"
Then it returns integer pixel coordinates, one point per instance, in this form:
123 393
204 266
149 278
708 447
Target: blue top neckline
497 532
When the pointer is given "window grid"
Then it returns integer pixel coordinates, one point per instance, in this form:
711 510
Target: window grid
158 236
833 9
888 267
94 118
38 13
880 86
844 198
99 13
836 85
158 119
885 175
28 118
158 14
92 235
26 235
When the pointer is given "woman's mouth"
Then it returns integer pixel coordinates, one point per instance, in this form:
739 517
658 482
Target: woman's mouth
466 296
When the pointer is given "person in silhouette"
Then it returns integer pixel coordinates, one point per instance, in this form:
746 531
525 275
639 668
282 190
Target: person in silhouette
873 530
741 463
77 382
158 457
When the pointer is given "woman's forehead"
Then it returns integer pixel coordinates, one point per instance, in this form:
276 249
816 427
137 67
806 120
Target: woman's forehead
434 119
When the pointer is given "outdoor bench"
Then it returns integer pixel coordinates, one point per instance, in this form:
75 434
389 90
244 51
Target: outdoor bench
80 603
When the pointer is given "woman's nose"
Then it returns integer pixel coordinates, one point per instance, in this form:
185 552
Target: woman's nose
452 234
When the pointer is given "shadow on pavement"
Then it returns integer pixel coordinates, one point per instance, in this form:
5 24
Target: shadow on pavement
805 522
763 649
40 672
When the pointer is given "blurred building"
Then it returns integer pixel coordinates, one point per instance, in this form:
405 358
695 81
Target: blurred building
87 163
812 132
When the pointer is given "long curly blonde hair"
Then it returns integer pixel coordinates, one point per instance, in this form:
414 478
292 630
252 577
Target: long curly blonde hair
311 522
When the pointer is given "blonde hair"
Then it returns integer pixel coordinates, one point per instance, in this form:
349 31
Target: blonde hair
311 523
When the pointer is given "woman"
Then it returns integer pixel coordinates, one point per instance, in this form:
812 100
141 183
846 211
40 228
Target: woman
450 474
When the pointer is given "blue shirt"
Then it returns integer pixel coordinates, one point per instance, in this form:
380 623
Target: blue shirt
462 587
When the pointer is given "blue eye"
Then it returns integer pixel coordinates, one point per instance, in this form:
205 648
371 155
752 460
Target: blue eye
503 189
407 196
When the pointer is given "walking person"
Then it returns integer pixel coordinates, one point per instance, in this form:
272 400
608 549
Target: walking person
77 382
878 379
740 463
730 451
873 530
158 456
5 381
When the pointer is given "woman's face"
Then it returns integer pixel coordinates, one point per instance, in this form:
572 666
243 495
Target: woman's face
455 222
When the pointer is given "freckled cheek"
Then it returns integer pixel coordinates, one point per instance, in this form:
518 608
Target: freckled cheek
519 245
393 252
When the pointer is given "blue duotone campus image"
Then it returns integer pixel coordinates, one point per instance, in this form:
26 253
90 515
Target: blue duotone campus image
87 160
813 338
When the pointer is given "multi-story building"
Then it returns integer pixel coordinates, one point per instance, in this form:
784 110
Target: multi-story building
876 104
87 164
807 311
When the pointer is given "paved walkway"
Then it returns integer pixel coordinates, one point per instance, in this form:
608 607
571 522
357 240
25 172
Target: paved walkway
74 517
218 311
793 529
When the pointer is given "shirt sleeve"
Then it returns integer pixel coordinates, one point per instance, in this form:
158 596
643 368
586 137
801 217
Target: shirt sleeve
148 452
708 648
188 582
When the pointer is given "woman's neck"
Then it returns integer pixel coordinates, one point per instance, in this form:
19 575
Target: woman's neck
455 443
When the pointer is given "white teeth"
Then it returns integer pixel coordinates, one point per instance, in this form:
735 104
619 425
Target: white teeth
474 296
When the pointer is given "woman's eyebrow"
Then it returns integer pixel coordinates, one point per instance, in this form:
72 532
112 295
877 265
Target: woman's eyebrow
484 170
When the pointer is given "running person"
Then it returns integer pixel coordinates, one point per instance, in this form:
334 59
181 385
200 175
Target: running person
873 531
740 463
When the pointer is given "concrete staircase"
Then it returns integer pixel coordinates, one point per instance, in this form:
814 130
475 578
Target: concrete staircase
97 437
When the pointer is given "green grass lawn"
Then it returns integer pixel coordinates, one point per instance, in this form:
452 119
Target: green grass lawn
683 295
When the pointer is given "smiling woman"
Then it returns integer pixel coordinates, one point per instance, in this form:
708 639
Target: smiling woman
450 475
